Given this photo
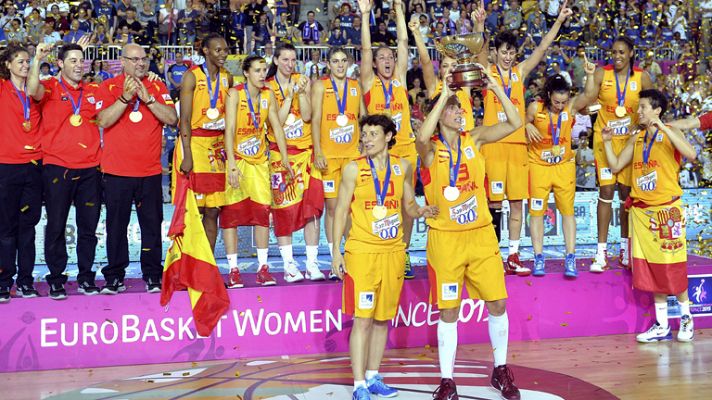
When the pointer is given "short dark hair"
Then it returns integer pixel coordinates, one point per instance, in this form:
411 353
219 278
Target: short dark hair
67 48
247 62
554 84
506 38
451 101
656 99
310 12
205 43
385 122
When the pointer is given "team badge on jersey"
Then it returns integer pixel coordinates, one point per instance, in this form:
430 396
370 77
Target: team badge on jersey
365 300
497 187
396 169
329 187
469 153
633 86
537 204
449 291
354 92
263 103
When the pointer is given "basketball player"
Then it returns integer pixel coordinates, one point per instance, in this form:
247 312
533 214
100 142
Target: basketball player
703 122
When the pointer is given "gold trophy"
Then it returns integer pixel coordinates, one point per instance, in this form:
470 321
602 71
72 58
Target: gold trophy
462 48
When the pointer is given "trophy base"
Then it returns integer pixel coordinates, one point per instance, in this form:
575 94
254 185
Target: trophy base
468 75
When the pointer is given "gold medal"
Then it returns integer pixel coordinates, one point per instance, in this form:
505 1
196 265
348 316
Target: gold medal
556 150
620 112
646 168
26 126
212 113
135 116
75 120
379 212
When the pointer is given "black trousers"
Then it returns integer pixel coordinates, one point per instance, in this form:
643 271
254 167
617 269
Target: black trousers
120 193
20 211
62 188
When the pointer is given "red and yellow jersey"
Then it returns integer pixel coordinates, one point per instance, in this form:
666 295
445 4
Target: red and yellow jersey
399 109
367 234
201 100
656 183
542 152
465 104
607 97
494 113
250 142
469 210
297 131
336 141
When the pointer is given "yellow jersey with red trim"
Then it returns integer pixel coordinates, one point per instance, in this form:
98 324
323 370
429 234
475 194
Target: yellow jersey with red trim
468 123
399 108
340 141
201 100
494 113
250 140
608 98
297 132
545 152
369 234
656 182
469 210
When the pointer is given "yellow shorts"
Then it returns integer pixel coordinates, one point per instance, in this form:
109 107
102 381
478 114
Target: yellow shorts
210 200
208 176
603 171
373 284
507 168
471 257
248 204
408 152
332 176
561 178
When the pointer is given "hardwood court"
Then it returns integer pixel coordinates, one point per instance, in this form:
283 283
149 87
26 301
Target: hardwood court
578 368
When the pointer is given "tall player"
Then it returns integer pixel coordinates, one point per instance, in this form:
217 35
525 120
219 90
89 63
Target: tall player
337 104
202 123
551 161
376 190
507 161
386 93
298 203
249 108
658 240
619 85
462 245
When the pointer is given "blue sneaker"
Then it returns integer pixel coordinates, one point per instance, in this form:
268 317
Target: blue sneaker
377 387
409 273
361 394
539 265
570 266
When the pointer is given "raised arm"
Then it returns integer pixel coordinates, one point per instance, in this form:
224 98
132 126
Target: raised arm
431 80
34 87
526 66
491 134
618 162
479 15
402 41
423 144
366 51
678 140
590 91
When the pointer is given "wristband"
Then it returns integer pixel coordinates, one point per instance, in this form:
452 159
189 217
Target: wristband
121 99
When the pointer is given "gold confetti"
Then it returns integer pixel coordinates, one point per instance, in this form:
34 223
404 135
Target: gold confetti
89 204
83 145
237 374
33 162
28 147
55 180
25 208
186 373
259 299
146 249
564 324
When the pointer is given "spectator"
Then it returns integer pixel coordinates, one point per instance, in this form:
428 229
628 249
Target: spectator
415 72
311 29
133 26
238 21
50 35
556 70
512 18
281 28
577 64
35 26
105 12
263 31
585 165
346 16
74 33
167 23
315 65
34 5
100 37
651 66
382 36
253 10
45 71
97 71
15 32
10 15
85 23
268 53
354 34
186 24
336 37
536 27
175 75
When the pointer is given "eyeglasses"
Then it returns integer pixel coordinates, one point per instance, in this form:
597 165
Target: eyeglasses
136 60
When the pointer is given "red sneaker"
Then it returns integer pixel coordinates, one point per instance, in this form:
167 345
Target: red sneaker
446 391
234 280
264 278
503 380
515 267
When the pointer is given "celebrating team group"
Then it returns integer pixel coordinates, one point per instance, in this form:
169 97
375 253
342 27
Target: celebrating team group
278 145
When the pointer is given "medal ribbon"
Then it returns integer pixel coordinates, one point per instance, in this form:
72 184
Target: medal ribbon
136 104
621 95
280 86
387 93
212 93
508 88
75 105
255 120
340 102
648 145
453 172
555 132
24 100
381 192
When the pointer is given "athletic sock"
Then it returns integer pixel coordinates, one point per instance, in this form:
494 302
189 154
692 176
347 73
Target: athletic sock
262 256
497 222
232 261
286 252
624 245
370 374
358 384
331 251
312 253
661 314
684 307
498 327
513 247
601 248
447 347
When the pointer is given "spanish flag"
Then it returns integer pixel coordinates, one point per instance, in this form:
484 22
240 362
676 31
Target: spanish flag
190 263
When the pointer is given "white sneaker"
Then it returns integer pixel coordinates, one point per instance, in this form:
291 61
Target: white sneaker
599 263
313 273
656 333
687 329
291 272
